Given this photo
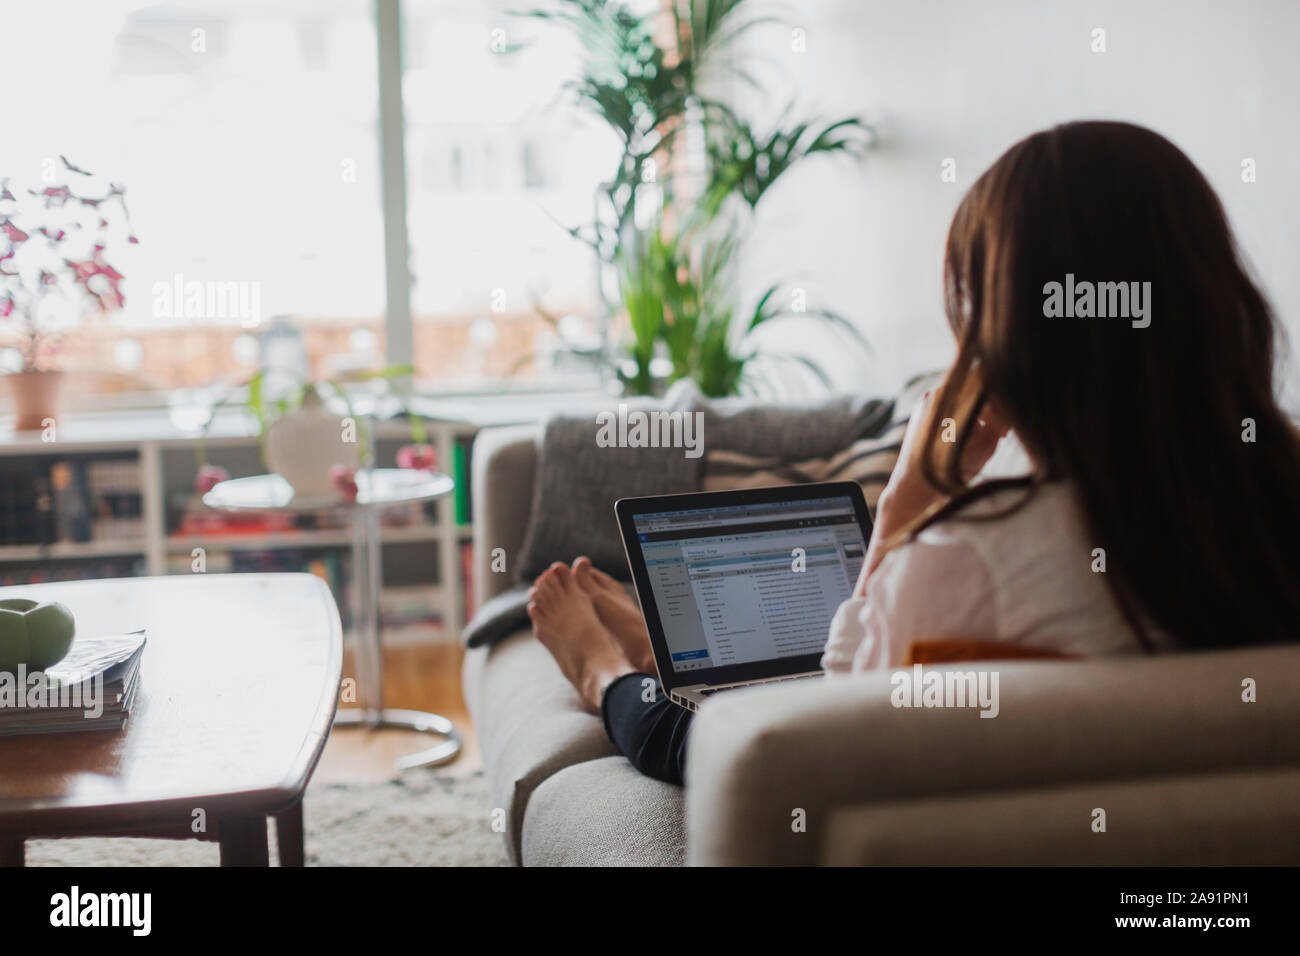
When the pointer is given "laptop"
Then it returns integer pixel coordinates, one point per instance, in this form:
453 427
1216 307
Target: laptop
739 587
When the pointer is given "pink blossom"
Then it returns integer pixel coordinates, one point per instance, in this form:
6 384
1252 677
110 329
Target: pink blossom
208 477
94 275
344 480
55 196
417 457
87 273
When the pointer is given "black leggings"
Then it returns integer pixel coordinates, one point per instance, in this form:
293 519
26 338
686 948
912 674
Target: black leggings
650 733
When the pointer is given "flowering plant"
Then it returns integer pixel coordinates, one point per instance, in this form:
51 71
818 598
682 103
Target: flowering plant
53 244
417 457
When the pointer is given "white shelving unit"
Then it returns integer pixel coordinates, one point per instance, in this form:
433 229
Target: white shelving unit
147 434
150 433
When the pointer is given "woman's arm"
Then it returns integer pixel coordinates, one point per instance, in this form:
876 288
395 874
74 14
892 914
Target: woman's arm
907 495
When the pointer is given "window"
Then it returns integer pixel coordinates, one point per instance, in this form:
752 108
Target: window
244 134
499 163
247 138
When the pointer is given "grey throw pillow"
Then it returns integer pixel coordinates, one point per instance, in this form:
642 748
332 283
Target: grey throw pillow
579 477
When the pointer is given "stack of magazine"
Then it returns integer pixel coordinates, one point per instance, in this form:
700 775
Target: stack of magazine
92 688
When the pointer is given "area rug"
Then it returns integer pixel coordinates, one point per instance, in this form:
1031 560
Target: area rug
422 818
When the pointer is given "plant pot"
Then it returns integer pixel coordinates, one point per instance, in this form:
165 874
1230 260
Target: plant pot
36 398
303 445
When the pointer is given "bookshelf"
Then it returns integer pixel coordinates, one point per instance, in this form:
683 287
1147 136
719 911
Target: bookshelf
161 443
134 471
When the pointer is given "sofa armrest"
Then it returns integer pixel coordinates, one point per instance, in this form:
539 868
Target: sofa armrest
1220 819
504 464
762 760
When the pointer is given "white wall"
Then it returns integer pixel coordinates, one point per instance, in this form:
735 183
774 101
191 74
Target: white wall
965 79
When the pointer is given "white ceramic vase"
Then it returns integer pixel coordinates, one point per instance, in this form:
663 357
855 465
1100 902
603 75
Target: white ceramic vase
302 447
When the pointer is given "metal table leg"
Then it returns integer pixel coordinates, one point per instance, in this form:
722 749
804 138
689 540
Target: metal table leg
367 573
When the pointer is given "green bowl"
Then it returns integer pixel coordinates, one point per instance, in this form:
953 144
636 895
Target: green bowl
34 633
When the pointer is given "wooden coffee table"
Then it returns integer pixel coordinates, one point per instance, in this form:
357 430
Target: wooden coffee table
238 687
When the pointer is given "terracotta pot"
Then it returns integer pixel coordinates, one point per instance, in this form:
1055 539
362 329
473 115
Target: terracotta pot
305 444
36 398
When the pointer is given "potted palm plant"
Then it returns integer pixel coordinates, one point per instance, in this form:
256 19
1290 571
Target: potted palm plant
677 289
53 272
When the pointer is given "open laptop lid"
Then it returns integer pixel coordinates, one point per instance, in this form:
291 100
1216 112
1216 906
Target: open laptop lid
742 585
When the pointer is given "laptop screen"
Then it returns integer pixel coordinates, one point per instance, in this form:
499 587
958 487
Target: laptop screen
750 582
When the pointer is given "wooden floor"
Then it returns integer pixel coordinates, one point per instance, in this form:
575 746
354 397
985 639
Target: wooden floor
416 677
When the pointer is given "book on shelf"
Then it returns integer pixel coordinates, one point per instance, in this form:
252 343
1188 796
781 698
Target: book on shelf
93 688
73 500
26 504
115 498
71 505
467 580
461 469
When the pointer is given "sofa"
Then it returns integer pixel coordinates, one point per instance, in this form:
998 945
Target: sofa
1179 759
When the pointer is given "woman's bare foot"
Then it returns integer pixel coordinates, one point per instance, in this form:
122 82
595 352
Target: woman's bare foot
596 581
618 612
565 621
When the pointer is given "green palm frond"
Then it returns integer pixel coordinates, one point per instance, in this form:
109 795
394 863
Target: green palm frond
744 164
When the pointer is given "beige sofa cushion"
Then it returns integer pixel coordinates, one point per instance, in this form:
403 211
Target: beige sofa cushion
604 813
530 723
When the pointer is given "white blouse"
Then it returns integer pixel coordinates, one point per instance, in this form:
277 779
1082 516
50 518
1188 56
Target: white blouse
1024 579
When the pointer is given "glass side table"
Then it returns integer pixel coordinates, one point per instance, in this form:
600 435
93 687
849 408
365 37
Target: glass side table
377 488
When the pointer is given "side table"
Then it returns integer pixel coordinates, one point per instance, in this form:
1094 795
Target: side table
377 488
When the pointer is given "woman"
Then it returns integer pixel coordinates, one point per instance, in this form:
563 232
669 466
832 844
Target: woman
1101 475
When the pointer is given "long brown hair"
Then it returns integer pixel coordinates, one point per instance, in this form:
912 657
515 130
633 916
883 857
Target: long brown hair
1200 525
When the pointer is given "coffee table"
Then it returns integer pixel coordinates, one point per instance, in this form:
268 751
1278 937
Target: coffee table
238 687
